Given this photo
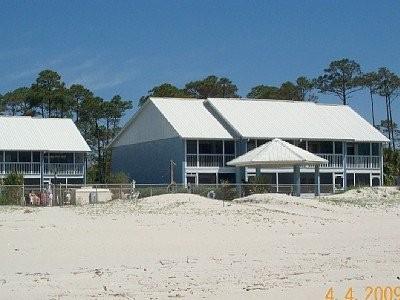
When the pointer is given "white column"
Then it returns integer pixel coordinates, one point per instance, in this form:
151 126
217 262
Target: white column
317 181
277 181
296 179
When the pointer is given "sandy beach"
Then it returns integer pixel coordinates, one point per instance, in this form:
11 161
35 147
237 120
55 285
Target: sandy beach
186 246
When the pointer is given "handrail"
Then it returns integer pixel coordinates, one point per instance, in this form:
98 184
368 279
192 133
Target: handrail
33 168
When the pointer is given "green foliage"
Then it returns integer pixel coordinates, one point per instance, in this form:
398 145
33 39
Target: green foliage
118 178
341 78
302 90
391 166
259 185
226 191
164 90
11 191
212 87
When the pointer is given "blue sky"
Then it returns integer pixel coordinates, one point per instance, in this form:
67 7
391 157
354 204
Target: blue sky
127 47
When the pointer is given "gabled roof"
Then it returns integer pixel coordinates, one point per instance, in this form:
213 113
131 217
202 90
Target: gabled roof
277 153
253 118
190 118
37 134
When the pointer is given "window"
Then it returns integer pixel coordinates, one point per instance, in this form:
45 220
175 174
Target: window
11 156
229 147
1 156
36 156
338 147
313 147
326 147
363 149
191 147
362 180
350 149
24 156
61 158
207 178
375 149
210 147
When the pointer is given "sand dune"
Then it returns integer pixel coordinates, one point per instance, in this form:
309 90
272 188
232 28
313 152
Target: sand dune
173 246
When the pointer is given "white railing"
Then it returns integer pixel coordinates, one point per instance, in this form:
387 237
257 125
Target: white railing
208 160
33 168
63 169
334 160
21 167
352 162
363 162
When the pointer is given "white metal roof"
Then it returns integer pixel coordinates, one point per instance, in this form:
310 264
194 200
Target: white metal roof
295 120
190 118
37 134
277 153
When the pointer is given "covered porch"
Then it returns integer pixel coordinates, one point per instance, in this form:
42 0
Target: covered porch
42 163
281 154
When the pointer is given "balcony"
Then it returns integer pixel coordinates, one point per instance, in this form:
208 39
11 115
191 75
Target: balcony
335 161
33 168
208 160
353 161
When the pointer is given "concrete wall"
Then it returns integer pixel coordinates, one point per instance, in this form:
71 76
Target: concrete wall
149 162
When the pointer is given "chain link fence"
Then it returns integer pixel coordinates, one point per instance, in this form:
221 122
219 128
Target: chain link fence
62 194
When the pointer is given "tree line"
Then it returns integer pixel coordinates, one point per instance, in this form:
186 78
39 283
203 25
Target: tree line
342 78
97 119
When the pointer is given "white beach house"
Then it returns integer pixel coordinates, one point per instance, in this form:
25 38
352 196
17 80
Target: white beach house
43 150
201 136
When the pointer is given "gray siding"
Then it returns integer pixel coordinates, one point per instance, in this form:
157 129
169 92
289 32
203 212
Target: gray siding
148 162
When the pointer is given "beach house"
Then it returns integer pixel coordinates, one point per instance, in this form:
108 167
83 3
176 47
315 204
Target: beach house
42 150
191 141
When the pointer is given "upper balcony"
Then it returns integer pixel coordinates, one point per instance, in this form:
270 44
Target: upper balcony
28 163
217 153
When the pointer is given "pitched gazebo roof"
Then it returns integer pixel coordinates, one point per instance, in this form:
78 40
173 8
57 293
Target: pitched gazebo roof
277 153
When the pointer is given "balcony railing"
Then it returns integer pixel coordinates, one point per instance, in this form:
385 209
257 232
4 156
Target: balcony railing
208 160
33 168
335 161
353 161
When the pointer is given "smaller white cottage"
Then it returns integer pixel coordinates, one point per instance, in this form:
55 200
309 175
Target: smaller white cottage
43 150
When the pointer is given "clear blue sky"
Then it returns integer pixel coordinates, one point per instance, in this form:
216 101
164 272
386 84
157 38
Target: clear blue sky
127 47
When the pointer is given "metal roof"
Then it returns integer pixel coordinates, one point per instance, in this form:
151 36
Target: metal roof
37 134
190 118
277 153
253 118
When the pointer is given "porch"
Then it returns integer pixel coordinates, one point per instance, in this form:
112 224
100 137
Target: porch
29 163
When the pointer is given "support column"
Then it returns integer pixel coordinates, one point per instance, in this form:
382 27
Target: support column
296 180
317 181
277 181
258 172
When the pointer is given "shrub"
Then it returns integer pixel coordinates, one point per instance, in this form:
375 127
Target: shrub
259 185
11 192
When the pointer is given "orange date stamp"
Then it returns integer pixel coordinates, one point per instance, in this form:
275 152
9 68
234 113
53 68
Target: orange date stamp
369 293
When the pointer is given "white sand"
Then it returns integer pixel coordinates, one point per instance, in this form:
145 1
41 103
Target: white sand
273 247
